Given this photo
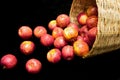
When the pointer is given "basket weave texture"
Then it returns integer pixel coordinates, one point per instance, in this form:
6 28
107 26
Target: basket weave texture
108 35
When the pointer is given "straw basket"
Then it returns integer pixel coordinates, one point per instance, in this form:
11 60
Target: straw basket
108 36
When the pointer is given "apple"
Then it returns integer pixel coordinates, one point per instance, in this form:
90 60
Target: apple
83 30
54 55
33 66
70 33
92 10
79 37
92 22
73 25
83 35
80 48
59 42
52 24
25 32
82 18
87 40
57 32
67 52
39 31
8 61
62 20
47 40
27 47
92 34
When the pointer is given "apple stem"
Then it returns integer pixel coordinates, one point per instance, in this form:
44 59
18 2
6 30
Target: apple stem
4 67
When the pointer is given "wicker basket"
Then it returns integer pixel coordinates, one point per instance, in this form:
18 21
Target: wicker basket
108 36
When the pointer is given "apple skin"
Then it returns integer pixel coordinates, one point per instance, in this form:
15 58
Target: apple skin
73 25
67 52
47 40
79 38
57 32
82 18
33 66
59 42
92 22
80 48
70 34
39 31
52 24
27 47
87 40
92 34
25 32
92 10
83 33
83 30
62 20
8 61
54 55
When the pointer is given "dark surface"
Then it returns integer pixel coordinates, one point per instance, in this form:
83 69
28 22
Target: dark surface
40 13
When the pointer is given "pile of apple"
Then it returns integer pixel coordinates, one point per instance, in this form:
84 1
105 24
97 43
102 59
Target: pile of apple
67 39
88 21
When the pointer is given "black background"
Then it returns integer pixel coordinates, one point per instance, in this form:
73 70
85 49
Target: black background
13 15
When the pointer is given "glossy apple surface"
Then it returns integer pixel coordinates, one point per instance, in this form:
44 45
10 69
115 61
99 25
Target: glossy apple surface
62 20
67 52
39 31
92 34
33 66
92 10
92 22
25 32
57 32
52 24
27 47
60 42
80 48
8 61
83 30
73 25
82 18
54 55
47 40
70 33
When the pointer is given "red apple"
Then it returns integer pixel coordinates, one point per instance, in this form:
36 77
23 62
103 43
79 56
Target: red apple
57 32
79 38
27 47
81 18
52 24
83 35
80 48
47 40
83 30
62 20
73 25
92 22
8 61
33 66
87 40
67 52
92 10
60 42
39 31
25 32
92 34
54 55
70 33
